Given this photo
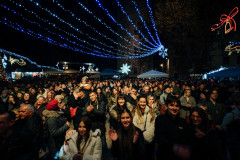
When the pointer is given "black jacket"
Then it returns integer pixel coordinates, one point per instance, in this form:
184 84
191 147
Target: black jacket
169 132
97 116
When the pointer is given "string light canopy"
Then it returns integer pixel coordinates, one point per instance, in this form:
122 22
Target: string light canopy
82 29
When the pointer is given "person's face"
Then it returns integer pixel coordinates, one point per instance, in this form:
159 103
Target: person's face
10 98
93 97
40 101
19 95
82 130
114 92
214 95
134 91
33 91
142 103
24 112
98 91
26 96
188 93
125 120
151 100
202 97
5 124
201 87
16 89
167 90
196 119
173 84
4 94
59 100
173 108
146 89
121 101
49 95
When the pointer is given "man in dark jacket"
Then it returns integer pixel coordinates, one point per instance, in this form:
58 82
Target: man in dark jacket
15 142
32 122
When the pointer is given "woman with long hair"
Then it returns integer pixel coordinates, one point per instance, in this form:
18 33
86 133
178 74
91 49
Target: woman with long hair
153 104
85 144
206 142
115 111
144 118
128 141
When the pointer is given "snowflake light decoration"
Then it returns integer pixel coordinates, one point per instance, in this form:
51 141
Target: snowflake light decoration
125 68
4 61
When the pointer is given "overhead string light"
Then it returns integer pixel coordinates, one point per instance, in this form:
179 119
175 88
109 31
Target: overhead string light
130 20
77 29
120 25
153 23
54 25
25 58
51 41
84 41
64 38
144 23
100 20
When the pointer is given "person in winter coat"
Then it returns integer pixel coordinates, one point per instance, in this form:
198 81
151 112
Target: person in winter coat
206 141
187 103
57 127
128 141
116 110
144 118
172 133
85 144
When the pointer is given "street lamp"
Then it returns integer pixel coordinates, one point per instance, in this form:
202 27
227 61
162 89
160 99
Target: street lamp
161 66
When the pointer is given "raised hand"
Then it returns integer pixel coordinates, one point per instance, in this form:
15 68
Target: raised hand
112 134
135 138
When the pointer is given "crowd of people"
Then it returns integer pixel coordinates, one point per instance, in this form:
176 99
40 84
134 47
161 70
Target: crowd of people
72 119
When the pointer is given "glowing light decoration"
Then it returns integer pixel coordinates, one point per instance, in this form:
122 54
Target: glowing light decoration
20 62
163 51
97 69
83 68
217 70
142 51
125 68
231 48
25 58
4 61
228 20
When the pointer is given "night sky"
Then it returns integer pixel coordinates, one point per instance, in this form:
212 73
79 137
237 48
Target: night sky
48 54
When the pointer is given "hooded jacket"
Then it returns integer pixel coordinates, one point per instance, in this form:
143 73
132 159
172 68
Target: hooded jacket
145 124
93 148
57 128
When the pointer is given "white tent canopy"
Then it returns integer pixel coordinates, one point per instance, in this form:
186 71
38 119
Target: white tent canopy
152 74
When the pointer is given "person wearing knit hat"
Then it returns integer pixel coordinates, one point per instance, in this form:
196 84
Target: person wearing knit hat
57 127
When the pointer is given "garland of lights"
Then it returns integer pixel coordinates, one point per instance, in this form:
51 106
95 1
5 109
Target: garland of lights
64 38
106 53
25 58
152 20
51 41
228 21
120 25
144 23
130 20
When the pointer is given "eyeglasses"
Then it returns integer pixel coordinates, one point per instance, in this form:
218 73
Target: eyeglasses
198 117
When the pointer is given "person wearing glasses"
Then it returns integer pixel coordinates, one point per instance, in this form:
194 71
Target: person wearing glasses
206 141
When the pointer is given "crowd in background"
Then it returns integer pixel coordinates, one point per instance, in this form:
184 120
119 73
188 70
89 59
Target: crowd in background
76 119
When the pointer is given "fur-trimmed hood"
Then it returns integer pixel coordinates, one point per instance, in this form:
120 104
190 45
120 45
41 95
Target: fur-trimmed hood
52 113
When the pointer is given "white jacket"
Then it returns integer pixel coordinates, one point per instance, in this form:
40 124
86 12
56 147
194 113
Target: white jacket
92 151
145 124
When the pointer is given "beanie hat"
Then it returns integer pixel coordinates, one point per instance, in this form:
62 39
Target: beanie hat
52 105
